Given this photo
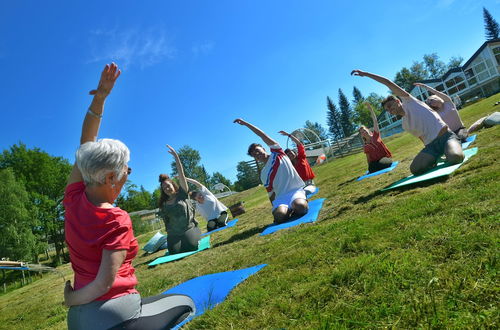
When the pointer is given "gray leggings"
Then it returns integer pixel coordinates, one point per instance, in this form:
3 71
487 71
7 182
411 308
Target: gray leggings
130 312
184 243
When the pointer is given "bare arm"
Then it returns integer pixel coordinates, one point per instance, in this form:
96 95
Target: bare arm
180 169
92 121
374 116
293 138
395 89
443 96
110 263
267 140
196 183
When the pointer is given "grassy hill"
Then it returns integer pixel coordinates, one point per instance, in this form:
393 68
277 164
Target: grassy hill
425 256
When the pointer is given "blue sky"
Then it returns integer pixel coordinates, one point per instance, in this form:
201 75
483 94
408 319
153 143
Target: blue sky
190 67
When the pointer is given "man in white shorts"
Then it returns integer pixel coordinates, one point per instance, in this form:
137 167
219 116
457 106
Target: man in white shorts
282 182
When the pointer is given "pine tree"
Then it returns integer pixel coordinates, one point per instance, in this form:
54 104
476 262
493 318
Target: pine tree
345 114
333 120
358 97
490 25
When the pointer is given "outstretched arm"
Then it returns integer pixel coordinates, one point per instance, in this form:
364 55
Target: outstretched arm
443 96
293 138
196 183
395 89
374 116
180 169
267 140
92 121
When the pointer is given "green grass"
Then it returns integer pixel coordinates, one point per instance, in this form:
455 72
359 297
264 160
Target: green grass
423 256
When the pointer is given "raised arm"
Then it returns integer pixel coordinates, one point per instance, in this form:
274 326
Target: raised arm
92 121
395 89
293 138
267 140
196 183
374 116
442 95
180 169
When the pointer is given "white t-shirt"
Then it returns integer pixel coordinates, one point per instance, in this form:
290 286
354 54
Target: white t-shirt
449 114
212 207
420 120
278 175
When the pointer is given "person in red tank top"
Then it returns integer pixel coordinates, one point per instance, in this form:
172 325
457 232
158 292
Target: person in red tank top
100 237
299 160
377 154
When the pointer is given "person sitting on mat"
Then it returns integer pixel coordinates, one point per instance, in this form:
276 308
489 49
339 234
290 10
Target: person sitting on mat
446 109
282 182
209 206
377 154
177 211
100 239
422 122
300 162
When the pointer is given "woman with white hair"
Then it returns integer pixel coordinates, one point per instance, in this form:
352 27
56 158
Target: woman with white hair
446 109
100 239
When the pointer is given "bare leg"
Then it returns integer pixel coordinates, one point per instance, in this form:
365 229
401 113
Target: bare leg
453 152
422 163
300 207
280 214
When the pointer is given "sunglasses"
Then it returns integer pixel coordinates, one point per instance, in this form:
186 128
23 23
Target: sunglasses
129 170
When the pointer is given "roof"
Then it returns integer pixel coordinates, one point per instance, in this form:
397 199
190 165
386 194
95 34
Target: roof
458 69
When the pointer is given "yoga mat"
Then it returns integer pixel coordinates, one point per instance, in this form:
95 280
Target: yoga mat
229 224
310 194
385 170
203 244
155 243
311 216
440 170
468 141
210 290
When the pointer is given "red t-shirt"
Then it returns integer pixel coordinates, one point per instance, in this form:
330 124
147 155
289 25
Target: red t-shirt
376 149
302 165
90 229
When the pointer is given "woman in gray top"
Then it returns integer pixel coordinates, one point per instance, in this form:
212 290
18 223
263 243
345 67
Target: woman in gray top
177 211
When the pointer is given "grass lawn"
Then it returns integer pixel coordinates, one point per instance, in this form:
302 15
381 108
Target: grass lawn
423 256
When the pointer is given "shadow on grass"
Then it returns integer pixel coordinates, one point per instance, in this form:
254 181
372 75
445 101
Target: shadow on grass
348 181
243 235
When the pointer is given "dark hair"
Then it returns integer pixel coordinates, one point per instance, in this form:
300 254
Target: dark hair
252 148
194 194
287 150
388 99
163 196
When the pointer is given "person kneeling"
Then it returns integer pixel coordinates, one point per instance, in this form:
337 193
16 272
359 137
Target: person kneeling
282 182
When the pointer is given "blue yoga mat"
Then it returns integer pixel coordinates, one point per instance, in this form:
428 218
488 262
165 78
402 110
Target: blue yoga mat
309 195
468 141
385 170
311 216
229 224
203 244
210 290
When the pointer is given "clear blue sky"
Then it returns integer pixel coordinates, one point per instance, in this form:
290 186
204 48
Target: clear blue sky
190 67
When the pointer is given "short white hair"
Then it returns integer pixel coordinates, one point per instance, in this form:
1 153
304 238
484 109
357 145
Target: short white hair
96 159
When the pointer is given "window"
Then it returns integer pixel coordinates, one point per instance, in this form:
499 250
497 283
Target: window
496 52
449 83
483 76
461 86
469 73
480 67
440 87
452 90
458 79
472 81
